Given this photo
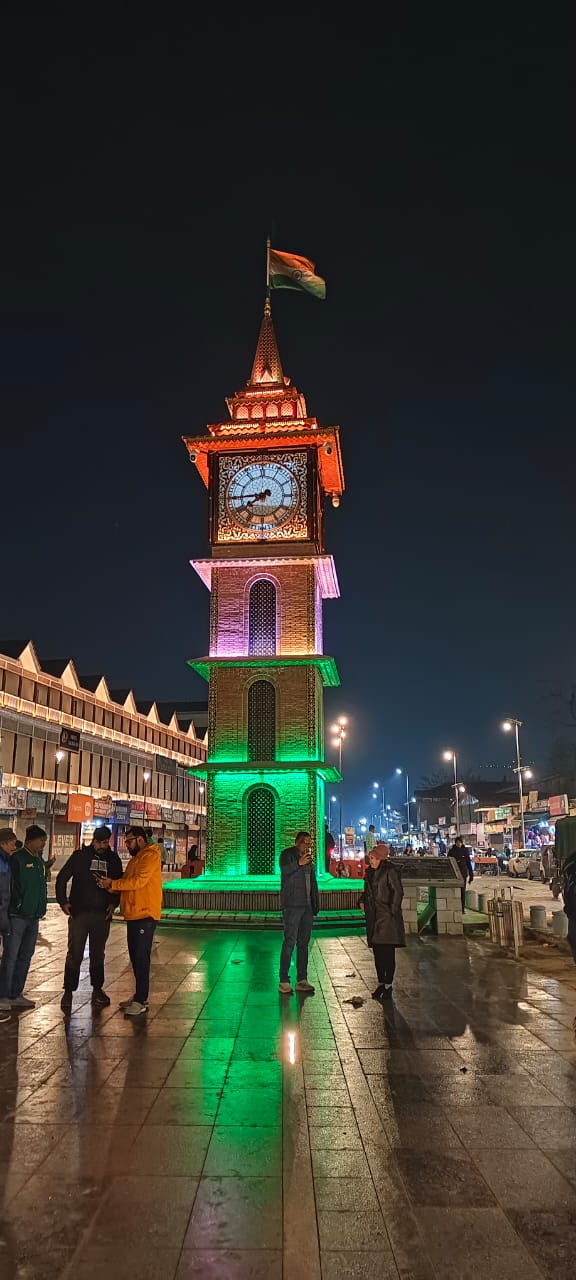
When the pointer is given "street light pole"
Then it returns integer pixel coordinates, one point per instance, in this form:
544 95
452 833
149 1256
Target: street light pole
508 725
451 755
400 772
146 777
339 732
59 758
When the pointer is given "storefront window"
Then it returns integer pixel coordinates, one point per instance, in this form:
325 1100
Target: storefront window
85 768
67 703
114 775
41 695
88 711
98 714
55 698
105 774
37 758
27 689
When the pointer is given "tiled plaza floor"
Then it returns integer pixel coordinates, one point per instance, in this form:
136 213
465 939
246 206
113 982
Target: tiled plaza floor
238 1134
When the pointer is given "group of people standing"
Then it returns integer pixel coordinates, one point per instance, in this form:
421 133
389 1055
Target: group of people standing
98 885
381 901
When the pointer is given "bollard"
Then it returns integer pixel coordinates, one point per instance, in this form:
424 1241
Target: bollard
560 924
538 917
484 899
471 899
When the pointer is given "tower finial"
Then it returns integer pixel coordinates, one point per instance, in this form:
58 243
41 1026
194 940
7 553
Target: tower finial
267 308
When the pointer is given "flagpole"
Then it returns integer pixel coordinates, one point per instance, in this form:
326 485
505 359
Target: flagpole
267 304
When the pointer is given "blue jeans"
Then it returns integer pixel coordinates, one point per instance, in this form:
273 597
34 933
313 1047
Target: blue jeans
139 936
18 950
298 923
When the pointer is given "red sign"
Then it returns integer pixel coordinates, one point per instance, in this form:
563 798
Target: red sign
153 812
80 808
102 808
558 806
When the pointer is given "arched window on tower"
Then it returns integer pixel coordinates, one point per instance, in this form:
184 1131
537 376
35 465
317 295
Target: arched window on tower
261 832
262 618
262 721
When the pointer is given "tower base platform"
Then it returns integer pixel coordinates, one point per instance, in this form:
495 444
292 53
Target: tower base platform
255 900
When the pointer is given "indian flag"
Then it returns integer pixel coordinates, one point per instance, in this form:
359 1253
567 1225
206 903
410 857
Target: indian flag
289 271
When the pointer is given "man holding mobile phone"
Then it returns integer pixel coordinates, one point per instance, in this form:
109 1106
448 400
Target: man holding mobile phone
300 902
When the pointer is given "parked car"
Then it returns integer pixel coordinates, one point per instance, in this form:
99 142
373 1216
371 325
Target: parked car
527 862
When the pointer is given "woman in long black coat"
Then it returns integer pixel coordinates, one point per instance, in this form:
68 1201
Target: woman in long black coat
382 903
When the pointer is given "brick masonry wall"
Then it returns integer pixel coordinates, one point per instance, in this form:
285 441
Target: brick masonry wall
299 609
299 806
299 720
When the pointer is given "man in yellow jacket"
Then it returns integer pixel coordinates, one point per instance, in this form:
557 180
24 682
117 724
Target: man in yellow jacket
140 892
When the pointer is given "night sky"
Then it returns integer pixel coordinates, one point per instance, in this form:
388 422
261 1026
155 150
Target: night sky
432 182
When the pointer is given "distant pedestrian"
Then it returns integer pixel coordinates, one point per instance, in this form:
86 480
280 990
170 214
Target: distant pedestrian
382 905
442 847
27 907
369 842
140 890
462 857
89 910
329 846
300 902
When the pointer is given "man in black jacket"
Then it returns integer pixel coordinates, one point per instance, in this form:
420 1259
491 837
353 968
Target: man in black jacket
569 899
89 910
300 902
462 856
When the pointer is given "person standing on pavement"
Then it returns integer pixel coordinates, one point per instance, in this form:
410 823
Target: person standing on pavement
381 902
89 910
140 890
300 902
8 846
27 907
462 857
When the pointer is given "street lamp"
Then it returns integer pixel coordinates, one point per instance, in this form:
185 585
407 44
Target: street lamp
59 758
380 794
338 735
508 726
146 777
451 755
331 801
400 772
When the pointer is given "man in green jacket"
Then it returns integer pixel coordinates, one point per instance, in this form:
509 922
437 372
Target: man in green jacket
27 906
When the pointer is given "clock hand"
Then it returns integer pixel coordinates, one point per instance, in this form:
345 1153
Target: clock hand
259 497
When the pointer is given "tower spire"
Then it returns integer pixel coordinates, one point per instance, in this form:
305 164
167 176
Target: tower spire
267 367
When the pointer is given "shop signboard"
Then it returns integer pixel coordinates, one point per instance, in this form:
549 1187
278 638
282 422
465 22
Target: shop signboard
503 811
59 806
121 810
70 739
350 835
190 818
163 764
180 849
36 800
166 814
178 817
137 812
558 806
80 808
103 807
154 812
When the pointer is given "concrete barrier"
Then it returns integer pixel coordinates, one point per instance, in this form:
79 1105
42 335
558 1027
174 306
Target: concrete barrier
560 924
538 917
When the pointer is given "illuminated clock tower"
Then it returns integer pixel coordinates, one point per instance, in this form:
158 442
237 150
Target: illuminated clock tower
268 471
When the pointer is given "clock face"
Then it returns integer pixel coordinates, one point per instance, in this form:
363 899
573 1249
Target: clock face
263 496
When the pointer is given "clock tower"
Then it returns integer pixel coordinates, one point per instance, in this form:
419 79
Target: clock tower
269 470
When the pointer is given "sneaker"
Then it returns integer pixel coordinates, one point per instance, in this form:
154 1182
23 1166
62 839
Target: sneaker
286 989
66 1002
124 1004
135 1009
100 998
377 994
22 1002
306 987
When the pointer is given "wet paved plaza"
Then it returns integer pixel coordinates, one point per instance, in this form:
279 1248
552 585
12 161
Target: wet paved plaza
240 1134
